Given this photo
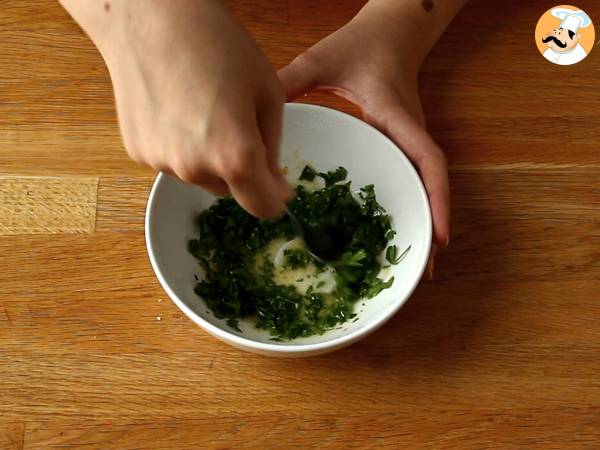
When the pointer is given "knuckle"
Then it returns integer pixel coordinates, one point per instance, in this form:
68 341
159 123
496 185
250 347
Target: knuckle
191 175
238 166
186 176
150 158
193 172
185 171
235 173
136 156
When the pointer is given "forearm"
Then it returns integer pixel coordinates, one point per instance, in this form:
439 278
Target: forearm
112 23
412 26
99 19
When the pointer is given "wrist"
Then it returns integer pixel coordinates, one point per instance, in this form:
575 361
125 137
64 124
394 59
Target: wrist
408 27
394 39
101 21
391 45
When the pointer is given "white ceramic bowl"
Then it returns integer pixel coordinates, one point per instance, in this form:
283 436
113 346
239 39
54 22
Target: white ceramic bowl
326 139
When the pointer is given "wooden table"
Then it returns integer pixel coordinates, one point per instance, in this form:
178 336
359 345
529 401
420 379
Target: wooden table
502 350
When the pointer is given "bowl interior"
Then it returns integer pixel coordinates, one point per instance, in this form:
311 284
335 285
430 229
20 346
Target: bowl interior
326 139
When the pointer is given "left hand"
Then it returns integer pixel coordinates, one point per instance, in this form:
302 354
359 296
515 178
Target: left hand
377 72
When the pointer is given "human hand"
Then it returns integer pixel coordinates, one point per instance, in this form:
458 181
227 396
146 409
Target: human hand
361 63
195 96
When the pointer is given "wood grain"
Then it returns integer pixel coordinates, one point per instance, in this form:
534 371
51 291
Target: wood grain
514 429
12 435
499 351
44 205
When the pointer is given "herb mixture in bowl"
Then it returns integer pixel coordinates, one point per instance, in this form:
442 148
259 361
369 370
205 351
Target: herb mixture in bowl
262 270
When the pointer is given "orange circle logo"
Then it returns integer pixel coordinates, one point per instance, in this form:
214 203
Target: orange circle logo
565 35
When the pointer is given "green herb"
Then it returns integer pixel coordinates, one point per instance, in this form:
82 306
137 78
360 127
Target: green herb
308 173
334 176
355 259
296 258
391 254
330 178
233 323
377 286
239 276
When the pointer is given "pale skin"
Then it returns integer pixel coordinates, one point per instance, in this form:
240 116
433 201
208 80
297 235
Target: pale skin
197 98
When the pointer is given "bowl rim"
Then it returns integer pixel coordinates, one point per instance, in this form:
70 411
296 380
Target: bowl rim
338 342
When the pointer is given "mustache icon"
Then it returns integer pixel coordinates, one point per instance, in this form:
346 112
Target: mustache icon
556 41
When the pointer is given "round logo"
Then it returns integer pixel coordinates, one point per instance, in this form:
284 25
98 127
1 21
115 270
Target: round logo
565 35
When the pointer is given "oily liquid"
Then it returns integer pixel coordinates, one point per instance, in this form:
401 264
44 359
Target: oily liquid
322 281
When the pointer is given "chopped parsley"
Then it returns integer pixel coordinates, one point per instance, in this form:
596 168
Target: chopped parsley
334 176
296 258
330 178
239 274
391 254
308 174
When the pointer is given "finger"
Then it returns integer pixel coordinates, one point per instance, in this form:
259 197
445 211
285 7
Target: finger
214 185
253 185
270 119
431 164
434 171
428 275
299 77
199 177
245 169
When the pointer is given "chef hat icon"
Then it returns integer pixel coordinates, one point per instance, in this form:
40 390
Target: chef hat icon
572 19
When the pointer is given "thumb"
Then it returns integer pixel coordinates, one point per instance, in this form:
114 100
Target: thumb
430 161
269 120
299 77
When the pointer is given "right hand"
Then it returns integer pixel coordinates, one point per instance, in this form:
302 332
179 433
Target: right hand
196 98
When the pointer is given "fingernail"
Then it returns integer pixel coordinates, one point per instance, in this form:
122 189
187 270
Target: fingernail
447 241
